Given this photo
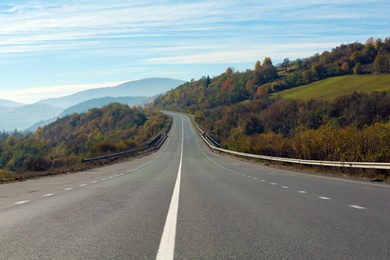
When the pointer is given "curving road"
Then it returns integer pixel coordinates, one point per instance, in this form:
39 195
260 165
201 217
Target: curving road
185 202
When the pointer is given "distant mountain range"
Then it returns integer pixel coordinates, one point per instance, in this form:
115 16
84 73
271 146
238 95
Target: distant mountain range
19 116
99 102
144 87
9 103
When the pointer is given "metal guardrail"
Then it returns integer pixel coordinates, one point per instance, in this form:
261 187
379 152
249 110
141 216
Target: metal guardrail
154 143
367 165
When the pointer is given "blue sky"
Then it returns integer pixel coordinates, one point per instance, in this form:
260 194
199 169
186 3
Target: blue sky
55 48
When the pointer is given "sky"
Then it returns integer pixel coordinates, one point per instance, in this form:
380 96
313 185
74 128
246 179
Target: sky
59 47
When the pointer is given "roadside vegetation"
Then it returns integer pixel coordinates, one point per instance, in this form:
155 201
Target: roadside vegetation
60 146
341 111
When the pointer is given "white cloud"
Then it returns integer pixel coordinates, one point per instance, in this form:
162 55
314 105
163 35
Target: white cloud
31 95
247 54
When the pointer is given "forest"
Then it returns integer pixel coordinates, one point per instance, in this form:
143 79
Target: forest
243 112
61 145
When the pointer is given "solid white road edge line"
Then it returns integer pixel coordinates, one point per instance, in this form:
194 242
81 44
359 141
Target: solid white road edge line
166 249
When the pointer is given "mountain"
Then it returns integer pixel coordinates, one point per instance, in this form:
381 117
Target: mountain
100 102
24 116
9 103
144 87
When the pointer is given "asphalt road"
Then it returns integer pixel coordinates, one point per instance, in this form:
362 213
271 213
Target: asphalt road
186 202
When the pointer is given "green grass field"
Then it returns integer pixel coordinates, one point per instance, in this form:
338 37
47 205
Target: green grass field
332 88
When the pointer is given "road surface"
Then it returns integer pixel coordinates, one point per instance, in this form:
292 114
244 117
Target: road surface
185 202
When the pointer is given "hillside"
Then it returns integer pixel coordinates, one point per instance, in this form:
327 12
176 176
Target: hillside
144 87
243 111
62 144
335 87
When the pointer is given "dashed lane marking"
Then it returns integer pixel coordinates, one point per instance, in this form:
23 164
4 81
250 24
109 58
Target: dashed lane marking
324 198
356 207
302 191
67 189
21 202
48 195
83 185
273 183
284 187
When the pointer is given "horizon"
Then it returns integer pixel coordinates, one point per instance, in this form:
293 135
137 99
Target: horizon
57 49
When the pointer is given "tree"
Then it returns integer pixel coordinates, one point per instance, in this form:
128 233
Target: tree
357 70
269 71
345 67
381 63
286 64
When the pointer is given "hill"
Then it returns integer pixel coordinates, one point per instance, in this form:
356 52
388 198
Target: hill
83 107
236 109
144 87
62 144
20 118
335 87
9 103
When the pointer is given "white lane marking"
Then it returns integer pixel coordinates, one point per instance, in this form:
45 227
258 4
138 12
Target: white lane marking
48 195
117 175
273 183
122 173
356 207
324 198
249 176
284 187
263 180
21 202
68 189
94 181
302 191
104 179
255 178
110 177
166 248
83 185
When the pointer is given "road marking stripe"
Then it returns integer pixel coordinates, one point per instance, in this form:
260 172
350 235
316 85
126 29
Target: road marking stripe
83 185
263 180
356 207
21 202
68 189
302 191
166 248
324 198
103 179
255 178
284 187
273 183
48 195
94 181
